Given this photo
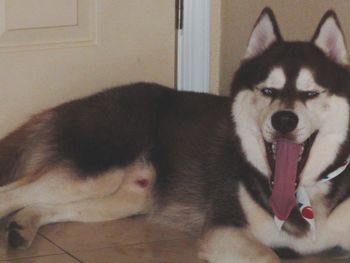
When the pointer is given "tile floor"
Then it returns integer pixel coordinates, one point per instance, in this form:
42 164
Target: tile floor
133 240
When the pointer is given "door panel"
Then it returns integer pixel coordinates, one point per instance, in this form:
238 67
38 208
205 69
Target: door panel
46 59
28 14
33 24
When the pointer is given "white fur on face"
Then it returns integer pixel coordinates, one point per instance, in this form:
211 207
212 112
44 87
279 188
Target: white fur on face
245 110
276 79
251 111
330 116
307 123
327 114
306 82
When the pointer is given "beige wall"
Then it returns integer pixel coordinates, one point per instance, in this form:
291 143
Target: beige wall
297 19
130 40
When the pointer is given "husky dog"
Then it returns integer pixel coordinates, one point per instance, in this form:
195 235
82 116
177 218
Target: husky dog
263 169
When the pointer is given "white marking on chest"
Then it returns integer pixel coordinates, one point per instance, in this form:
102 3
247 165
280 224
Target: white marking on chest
262 226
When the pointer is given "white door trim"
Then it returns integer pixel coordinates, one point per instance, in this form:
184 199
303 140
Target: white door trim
193 46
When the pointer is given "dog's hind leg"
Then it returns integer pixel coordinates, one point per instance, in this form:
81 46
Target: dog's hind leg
20 182
132 197
59 186
25 151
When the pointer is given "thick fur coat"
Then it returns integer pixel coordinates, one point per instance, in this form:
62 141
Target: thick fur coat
199 162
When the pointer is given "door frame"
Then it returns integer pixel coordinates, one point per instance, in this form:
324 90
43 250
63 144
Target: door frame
193 45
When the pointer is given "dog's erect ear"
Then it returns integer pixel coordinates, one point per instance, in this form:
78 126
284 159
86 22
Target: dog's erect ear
330 39
265 33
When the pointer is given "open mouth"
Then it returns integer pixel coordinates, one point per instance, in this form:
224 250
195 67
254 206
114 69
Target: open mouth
286 159
305 147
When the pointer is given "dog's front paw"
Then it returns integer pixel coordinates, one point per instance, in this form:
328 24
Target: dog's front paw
23 226
20 236
230 245
239 257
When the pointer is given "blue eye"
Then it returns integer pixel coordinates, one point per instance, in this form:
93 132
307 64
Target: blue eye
312 94
268 92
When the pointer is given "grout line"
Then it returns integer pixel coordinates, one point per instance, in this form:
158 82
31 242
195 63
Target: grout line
30 257
65 251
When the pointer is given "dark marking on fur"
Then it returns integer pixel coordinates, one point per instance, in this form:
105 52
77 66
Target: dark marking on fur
15 239
111 128
340 189
225 208
334 252
296 225
15 225
292 56
287 253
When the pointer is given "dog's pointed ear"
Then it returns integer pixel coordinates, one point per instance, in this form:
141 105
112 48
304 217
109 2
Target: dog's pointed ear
265 33
330 39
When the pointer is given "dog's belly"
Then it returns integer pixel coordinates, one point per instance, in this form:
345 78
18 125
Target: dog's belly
263 227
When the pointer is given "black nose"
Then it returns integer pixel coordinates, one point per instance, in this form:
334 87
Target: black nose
284 121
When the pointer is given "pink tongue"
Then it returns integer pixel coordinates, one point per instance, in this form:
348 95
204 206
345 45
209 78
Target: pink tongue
282 199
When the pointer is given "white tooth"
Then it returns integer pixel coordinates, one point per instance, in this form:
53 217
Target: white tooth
274 146
301 152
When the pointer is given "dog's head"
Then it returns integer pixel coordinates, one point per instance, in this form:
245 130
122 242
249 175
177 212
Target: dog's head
291 100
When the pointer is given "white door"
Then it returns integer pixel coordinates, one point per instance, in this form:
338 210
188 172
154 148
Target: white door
53 51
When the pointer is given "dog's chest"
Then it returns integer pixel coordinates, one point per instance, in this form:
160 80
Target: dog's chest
263 227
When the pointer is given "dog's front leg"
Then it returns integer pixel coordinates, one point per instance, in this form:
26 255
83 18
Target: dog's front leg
338 225
234 245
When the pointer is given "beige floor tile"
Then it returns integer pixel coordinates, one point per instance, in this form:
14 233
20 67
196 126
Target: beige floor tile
39 247
318 260
78 236
46 259
133 240
176 251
